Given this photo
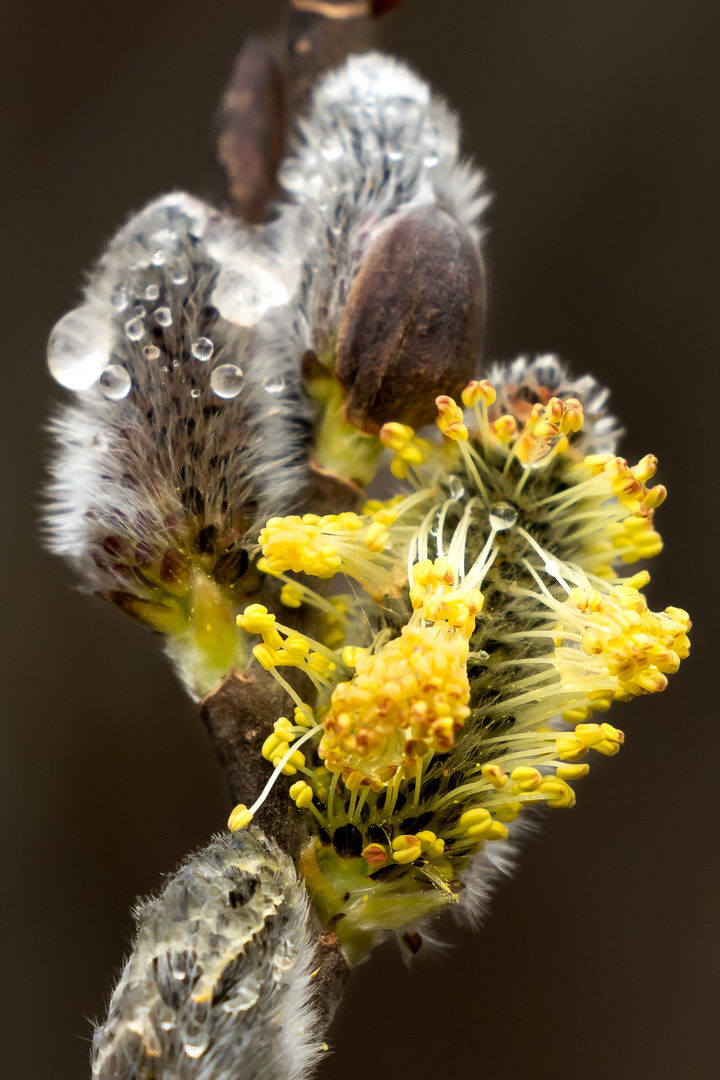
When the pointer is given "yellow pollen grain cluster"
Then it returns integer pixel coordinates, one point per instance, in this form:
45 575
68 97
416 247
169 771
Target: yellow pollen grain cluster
637 646
433 597
405 700
547 428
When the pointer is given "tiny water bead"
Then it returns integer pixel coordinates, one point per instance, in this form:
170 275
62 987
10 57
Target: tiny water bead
274 384
119 300
332 150
79 348
152 292
115 382
202 349
159 257
135 329
502 515
227 380
151 352
163 316
194 393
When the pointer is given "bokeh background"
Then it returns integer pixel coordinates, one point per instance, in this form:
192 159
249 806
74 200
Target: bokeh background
597 123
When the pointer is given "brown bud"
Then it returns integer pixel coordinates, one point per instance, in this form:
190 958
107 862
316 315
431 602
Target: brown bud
413 323
251 134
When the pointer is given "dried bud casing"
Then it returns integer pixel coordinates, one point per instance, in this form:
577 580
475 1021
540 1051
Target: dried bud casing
413 323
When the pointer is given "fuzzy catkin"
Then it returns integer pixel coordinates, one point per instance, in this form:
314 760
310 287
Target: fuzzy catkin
218 981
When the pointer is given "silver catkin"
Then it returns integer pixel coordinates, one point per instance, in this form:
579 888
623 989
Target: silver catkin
218 982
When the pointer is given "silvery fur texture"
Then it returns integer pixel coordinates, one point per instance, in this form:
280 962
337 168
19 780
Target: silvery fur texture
218 982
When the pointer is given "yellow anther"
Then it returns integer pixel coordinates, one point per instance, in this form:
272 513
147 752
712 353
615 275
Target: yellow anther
291 595
589 734
351 654
353 781
265 656
239 818
477 391
497 776
406 849
303 717
376 536
526 778
375 855
283 730
477 816
497 832
256 619
450 418
572 417
505 428
270 747
558 794
508 811
572 772
301 793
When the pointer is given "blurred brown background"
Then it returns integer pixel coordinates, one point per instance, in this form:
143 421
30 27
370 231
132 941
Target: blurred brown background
597 122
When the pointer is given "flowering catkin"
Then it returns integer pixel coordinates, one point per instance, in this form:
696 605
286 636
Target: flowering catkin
218 982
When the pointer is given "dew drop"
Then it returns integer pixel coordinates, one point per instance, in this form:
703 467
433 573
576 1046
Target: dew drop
151 352
120 299
195 393
227 380
152 292
202 349
163 316
455 487
138 311
135 329
502 515
115 382
552 568
331 150
395 155
159 257
430 160
78 348
274 384
179 973
180 272
195 1049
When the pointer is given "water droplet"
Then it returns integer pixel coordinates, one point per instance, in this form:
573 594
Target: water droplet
274 384
195 393
331 150
159 257
152 292
180 271
395 155
227 380
115 382
502 515
138 311
78 348
135 329
163 316
151 352
120 299
202 349
552 568
430 160
179 973
195 1049
455 487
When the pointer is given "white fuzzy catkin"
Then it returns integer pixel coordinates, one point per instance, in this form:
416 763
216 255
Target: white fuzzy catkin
218 983
376 144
